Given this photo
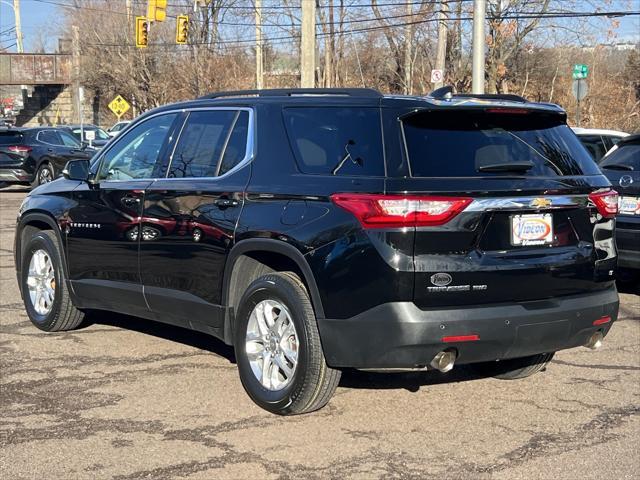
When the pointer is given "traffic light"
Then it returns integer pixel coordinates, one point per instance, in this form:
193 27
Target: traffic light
142 32
157 10
182 29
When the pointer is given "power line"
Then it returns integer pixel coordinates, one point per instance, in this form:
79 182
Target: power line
394 25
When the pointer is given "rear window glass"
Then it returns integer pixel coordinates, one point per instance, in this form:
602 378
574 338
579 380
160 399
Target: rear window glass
626 157
336 140
463 144
10 138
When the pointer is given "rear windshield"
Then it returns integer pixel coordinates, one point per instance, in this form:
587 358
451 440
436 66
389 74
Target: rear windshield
473 143
10 138
626 157
336 140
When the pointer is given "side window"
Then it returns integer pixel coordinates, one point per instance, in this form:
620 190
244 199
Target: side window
201 143
49 136
236 148
594 145
135 154
69 140
336 140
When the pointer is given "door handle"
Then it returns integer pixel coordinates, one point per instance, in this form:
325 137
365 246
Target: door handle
226 202
49 149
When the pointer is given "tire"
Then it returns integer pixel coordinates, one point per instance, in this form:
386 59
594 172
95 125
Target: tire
44 174
58 314
514 368
312 383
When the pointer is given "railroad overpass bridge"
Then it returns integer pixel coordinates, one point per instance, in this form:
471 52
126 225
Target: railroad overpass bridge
35 89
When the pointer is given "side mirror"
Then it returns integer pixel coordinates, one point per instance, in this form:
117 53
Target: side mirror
76 170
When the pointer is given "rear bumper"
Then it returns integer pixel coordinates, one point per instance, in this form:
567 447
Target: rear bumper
400 335
15 175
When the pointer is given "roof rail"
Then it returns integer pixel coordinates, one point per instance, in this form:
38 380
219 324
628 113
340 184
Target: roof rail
292 92
493 96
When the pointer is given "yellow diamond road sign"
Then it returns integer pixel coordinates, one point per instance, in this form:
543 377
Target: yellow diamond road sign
119 106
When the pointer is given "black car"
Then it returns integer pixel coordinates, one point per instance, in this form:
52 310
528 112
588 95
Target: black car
622 166
37 155
321 229
100 137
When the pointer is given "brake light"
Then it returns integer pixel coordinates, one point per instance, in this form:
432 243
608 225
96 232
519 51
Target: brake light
513 111
20 150
396 211
606 202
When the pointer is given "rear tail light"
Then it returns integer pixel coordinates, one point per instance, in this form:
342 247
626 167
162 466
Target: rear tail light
395 211
20 150
606 202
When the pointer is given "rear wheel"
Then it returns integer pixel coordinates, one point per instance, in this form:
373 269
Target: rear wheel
44 290
514 368
280 359
43 175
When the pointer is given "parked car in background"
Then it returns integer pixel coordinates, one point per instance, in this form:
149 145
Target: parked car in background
621 165
118 127
598 141
322 229
100 137
37 155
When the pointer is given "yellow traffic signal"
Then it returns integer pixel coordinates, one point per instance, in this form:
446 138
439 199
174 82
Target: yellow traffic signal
182 29
142 32
157 10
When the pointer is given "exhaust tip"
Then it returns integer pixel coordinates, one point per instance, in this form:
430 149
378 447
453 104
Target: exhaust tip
595 341
444 361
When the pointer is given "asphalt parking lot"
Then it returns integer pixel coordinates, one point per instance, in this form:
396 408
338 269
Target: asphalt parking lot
126 398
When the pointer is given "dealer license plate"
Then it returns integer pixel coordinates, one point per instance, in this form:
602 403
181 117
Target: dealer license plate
629 205
533 229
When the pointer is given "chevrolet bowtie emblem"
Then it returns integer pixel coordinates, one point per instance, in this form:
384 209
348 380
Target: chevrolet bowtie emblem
540 202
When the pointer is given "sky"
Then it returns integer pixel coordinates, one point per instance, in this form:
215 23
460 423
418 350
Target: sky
39 21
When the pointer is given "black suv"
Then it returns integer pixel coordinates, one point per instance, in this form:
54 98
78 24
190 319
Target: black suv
622 166
37 155
321 229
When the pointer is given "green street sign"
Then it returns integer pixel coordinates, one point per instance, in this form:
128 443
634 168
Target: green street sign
580 71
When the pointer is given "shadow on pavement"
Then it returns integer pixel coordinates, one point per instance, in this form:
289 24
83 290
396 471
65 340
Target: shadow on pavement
185 336
356 379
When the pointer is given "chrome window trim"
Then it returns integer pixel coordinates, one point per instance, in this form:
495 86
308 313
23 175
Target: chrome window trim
249 155
526 203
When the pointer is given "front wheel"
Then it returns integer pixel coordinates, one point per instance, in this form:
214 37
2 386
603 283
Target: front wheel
43 285
514 368
280 359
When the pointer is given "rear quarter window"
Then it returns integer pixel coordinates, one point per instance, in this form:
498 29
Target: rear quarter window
10 138
336 140
457 143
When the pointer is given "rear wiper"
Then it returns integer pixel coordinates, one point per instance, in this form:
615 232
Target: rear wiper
517 166
618 166
347 156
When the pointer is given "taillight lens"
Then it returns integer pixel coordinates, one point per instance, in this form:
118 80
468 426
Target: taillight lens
20 150
396 211
606 202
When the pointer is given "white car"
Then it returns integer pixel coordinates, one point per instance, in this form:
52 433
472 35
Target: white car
598 141
118 127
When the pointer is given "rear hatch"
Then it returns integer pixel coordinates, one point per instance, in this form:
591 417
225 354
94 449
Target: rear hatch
535 214
12 150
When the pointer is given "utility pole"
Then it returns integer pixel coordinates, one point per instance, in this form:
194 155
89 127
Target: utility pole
129 23
75 59
259 58
408 36
19 44
308 45
441 51
479 13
